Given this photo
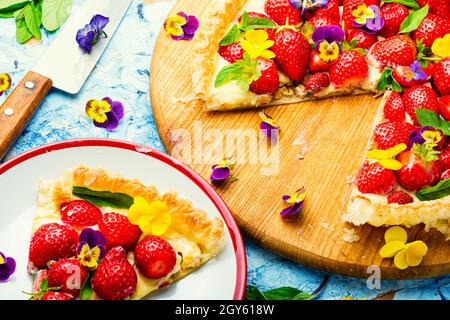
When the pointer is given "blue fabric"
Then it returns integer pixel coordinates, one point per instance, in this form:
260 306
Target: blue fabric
122 74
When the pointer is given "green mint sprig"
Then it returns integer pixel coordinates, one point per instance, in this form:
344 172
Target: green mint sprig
387 81
243 71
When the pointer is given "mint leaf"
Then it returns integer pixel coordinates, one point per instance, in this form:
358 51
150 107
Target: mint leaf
430 118
408 3
232 36
259 23
243 71
387 81
55 13
413 20
104 198
86 289
439 191
12 5
7 14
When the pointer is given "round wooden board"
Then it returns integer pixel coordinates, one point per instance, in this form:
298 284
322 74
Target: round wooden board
335 134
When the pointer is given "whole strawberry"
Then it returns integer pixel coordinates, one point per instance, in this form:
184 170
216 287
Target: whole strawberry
80 213
400 197
389 134
416 174
398 50
232 52
269 81
54 295
394 110
317 82
444 107
67 274
444 159
119 231
52 241
419 97
364 39
441 78
438 7
431 28
331 9
155 257
393 14
349 70
374 178
350 5
282 12
292 52
115 278
323 19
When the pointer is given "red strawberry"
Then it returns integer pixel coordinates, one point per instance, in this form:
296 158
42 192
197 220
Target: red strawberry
323 19
389 134
68 274
438 7
393 109
441 78
444 107
281 11
317 82
52 242
350 69
394 51
331 9
365 40
316 64
270 32
416 174
373 178
444 159
53 295
419 97
400 197
431 28
232 52
269 81
80 213
349 5
155 257
445 175
393 14
119 231
115 278
292 52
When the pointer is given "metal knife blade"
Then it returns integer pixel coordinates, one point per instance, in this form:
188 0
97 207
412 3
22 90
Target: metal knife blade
64 62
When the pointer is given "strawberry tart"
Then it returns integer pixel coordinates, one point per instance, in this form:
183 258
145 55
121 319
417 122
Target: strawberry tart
97 235
259 53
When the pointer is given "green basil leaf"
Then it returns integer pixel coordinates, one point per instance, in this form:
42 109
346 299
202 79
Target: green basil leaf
86 289
286 293
413 20
232 36
259 23
22 32
228 73
408 3
244 20
55 13
103 198
430 118
32 18
439 191
253 293
12 5
7 14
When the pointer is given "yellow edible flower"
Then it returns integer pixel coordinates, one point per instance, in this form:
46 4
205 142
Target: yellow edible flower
362 12
405 254
174 24
432 137
441 46
152 218
96 110
5 82
328 52
89 257
256 43
386 158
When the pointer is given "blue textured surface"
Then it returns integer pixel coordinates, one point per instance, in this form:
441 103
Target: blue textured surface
122 73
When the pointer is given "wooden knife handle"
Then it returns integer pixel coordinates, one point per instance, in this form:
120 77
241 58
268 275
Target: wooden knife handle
20 106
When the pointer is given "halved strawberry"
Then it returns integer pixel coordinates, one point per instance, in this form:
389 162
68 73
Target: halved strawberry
389 134
269 81
399 197
349 70
441 80
419 97
431 28
444 107
282 12
374 178
394 14
398 50
394 109
317 82
416 174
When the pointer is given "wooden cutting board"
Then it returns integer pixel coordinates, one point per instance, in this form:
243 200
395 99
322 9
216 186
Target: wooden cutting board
331 135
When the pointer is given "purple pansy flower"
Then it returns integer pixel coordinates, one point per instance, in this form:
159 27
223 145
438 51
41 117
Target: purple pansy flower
7 267
91 247
371 25
221 172
413 72
269 127
105 113
329 34
92 32
308 5
182 26
295 202
420 137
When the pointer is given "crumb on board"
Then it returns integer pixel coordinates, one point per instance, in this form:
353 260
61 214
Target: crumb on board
350 235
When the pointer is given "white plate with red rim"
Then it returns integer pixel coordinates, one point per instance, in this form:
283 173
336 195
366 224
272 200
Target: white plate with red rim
224 277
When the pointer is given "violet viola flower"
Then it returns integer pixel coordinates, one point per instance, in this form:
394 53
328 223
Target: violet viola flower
413 72
91 247
182 26
91 33
269 127
427 134
368 19
295 204
7 267
221 172
308 5
328 42
105 113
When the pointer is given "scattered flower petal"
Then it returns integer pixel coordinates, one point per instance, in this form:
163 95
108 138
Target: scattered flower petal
91 33
268 126
295 203
221 172
7 267
105 113
5 83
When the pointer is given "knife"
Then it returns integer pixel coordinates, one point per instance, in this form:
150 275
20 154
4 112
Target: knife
63 66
